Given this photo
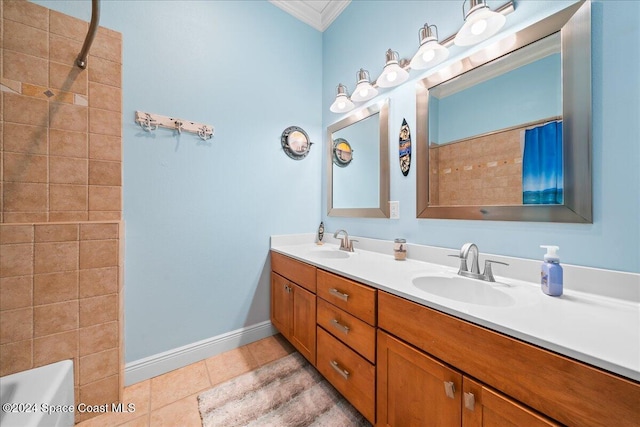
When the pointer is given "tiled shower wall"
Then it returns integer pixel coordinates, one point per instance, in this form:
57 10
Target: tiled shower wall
486 170
60 199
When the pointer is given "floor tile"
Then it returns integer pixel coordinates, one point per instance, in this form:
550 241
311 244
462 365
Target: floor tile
178 384
230 364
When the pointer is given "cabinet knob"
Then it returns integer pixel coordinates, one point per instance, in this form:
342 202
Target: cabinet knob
469 401
450 389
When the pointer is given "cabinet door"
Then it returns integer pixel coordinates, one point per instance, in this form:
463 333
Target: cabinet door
415 389
303 326
484 407
281 307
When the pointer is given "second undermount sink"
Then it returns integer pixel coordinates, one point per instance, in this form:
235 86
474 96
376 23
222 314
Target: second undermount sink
462 289
329 253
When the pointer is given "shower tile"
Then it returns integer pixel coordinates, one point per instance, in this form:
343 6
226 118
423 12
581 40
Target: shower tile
98 393
16 234
16 292
98 338
105 122
27 13
67 143
35 91
63 49
25 68
56 232
24 197
105 97
98 231
68 216
24 168
25 110
98 253
104 71
105 215
55 318
56 347
15 357
68 117
103 198
97 310
68 170
16 260
68 78
55 257
16 325
106 46
105 147
24 217
105 173
25 139
68 197
50 288
98 281
67 26
26 39
98 366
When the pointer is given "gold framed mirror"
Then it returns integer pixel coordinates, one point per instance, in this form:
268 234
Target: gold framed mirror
476 172
361 189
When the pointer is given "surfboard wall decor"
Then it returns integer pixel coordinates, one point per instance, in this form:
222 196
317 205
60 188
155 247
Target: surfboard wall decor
404 148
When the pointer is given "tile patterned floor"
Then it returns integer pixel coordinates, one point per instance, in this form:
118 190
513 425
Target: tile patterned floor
172 399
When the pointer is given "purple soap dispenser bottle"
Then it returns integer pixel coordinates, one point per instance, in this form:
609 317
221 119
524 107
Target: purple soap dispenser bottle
551 272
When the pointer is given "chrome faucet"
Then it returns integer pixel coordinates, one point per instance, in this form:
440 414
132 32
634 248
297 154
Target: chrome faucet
345 243
471 248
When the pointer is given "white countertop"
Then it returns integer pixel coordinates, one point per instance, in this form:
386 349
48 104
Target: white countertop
595 329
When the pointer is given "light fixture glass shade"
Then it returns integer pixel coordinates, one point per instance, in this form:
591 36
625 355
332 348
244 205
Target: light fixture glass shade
480 24
430 52
364 91
392 74
342 104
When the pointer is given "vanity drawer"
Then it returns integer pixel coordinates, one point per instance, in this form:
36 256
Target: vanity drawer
294 270
354 298
349 329
349 373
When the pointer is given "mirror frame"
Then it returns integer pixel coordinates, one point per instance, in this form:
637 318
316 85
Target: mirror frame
382 211
574 24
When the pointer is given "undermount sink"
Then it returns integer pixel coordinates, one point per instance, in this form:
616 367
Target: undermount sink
457 288
329 253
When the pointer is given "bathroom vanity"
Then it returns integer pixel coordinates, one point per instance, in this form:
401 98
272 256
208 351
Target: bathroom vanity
402 357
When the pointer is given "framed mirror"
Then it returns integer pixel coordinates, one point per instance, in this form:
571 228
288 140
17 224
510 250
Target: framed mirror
505 133
358 164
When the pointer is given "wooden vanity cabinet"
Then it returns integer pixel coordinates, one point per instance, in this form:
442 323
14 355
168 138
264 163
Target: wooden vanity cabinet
347 339
293 303
513 382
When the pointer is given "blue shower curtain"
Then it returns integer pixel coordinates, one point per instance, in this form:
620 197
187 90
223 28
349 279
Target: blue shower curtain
542 178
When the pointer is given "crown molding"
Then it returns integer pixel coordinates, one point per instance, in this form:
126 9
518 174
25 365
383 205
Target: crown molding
317 14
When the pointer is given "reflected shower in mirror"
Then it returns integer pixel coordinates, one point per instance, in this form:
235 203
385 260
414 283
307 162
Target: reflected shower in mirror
504 134
358 158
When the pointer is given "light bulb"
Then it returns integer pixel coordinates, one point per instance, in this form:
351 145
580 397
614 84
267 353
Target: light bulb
479 27
341 104
391 77
364 92
428 55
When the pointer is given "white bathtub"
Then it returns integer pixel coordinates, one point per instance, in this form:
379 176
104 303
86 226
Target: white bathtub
38 397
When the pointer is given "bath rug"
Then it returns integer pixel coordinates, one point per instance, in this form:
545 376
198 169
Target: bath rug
288 392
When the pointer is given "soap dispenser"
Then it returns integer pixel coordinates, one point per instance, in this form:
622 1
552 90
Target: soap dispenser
551 272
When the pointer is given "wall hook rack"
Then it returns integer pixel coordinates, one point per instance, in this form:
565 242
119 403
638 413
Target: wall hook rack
150 122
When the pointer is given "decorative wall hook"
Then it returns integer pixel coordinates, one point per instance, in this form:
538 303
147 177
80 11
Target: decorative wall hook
150 122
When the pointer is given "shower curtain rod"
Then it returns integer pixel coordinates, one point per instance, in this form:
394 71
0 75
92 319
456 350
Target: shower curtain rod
81 61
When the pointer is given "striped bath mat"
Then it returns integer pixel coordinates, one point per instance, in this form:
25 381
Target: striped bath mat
285 393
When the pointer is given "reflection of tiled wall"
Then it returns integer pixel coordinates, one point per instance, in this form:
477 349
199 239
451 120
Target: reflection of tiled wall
60 199
482 171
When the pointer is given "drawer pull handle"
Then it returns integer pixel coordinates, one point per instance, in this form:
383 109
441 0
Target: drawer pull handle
469 401
343 372
337 293
340 326
450 389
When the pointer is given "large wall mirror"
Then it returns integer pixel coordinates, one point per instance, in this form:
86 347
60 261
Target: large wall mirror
505 133
358 164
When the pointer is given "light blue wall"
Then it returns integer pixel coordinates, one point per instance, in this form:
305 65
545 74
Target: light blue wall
199 214
613 240
487 106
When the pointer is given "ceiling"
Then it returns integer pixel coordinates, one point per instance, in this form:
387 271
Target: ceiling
317 13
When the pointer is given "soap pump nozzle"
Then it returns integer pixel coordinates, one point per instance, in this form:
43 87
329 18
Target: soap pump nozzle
552 253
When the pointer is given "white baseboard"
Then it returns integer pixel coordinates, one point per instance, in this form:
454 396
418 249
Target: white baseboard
161 363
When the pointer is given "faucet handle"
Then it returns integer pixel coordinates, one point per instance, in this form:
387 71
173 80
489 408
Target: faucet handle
463 263
350 249
488 272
